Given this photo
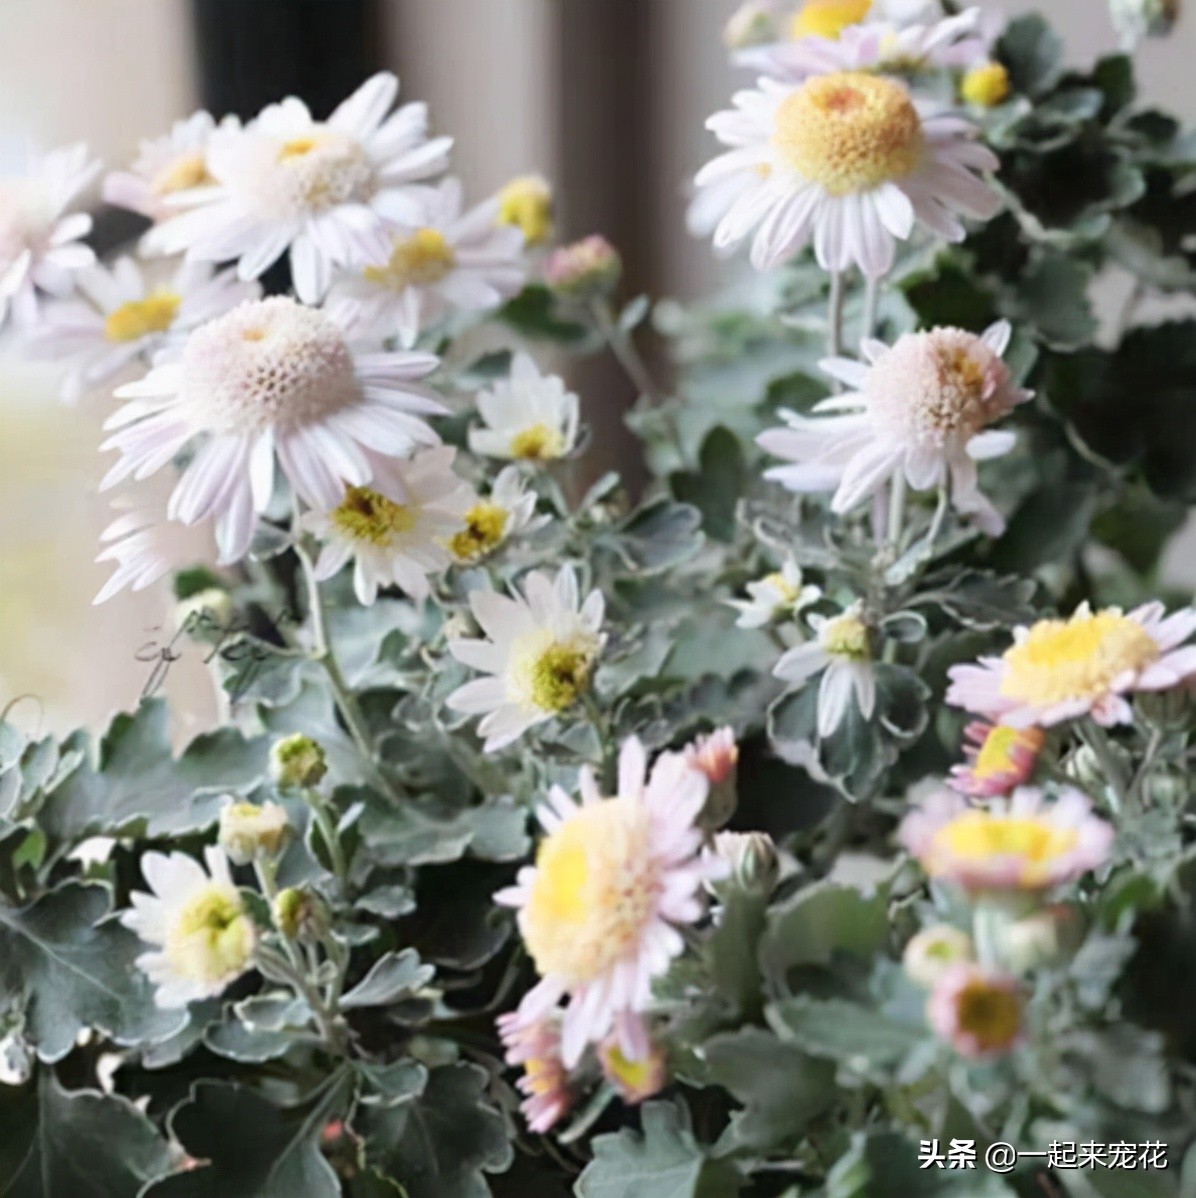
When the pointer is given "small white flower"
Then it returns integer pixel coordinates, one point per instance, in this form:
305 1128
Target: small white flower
510 508
203 938
394 529
39 240
249 831
541 648
775 597
449 261
528 417
269 379
329 191
842 651
122 317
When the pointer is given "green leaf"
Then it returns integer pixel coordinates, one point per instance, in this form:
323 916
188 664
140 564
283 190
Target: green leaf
394 976
658 536
715 487
77 970
1031 51
885 1165
664 1160
866 1041
253 1148
80 1144
533 312
1052 299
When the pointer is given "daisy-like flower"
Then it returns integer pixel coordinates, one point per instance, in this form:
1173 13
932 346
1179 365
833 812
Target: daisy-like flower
271 378
203 937
599 910
1060 670
164 167
636 1080
536 1045
249 831
999 759
777 596
123 317
395 529
449 262
921 408
510 508
529 417
978 1012
842 652
329 191
1026 842
541 649
39 238
847 160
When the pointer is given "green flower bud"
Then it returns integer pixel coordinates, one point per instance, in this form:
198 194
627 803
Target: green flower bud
297 761
300 914
933 951
211 608
587 269
752 858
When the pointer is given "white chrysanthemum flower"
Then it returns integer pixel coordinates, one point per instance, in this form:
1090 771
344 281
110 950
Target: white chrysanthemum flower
202 934
123 318
269 379
252 831
39 239
329 191
541 649
395 529
921 409
600 908
842 652
165 166
510 508
449 261
774 597
529 417
847 161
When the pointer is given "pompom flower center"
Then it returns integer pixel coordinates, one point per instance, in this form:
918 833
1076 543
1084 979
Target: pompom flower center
978 836
548 674
267 364
307 175
849 131
999 755
423 257
1064 660
211 937
537 443
991 1015
594 891
485 524
365 515
526 204
986 85
138 318
185 172
846 636
827 18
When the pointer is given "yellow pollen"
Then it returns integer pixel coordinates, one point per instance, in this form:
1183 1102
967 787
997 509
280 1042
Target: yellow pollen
985 86
139 318
782 586
364 515
485 524
543 1076
978 836
992 1014
297 147
526 204
550 675
537 443
846 636
421 258
849 131
633 1076
181 175
827 18
1081 658
211 937
594 891
996 754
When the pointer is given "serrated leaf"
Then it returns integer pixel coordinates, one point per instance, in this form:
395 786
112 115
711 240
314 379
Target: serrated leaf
864 1039
715 487
394 976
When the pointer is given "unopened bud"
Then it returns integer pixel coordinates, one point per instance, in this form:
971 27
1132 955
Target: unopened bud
935 950
751 24
635 1080
1047 937
1136 19
526 204
300 914
211 608
751 858
249 832
587 269
297 761
986 85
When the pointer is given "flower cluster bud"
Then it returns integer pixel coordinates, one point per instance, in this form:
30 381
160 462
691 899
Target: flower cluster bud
585 270
297 761
249 832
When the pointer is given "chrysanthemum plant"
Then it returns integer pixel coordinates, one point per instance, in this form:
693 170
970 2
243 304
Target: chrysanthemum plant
780 831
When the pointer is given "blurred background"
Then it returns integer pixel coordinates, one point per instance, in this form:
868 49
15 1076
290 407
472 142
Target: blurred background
606 98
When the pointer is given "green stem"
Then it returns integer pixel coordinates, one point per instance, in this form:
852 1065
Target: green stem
267 878
1095 737
323 817
606 745
834 315
1137 786
332 1031
871 305
898 491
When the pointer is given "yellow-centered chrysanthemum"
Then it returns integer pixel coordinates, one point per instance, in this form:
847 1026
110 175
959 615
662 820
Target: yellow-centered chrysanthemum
977 1011
529 417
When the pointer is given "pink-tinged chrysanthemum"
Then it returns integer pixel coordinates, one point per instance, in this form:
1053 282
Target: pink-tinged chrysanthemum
40 250
1060 670
978 1012
121 317
269 380
999 759
635 1079
1026 842
329 191
165 166
448 261
536 1045
715 754
599 909
921 408
848 161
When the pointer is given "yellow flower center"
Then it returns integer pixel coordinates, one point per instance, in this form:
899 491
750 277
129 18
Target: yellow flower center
849 131
138 318
547 674
992 1014
422 258
633 1076
485 524
191 170
318 170
594 891
543 1076
537 443
986 85
211 938
298 147
996 754
526 203
364 515
1080 658
784 588
827 18
846 636
978 836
